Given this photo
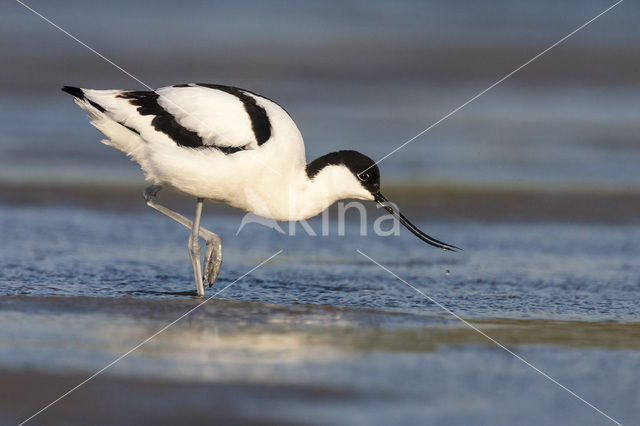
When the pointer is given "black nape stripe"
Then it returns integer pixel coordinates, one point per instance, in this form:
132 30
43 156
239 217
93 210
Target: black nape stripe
260 123
78 93
147 103
330 159
354 160
361 166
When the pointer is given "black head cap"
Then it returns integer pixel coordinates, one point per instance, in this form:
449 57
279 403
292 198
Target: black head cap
363 167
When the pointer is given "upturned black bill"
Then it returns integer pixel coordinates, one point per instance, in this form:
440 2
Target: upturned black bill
410 226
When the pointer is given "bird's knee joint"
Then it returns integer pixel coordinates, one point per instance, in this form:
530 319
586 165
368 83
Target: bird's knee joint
194 245
194 250
151 192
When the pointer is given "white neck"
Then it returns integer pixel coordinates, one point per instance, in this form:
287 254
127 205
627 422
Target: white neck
308 197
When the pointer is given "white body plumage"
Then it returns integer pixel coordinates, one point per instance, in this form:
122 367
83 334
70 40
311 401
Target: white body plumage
219 143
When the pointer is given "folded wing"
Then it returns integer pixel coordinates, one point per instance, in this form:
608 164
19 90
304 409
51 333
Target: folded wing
192 115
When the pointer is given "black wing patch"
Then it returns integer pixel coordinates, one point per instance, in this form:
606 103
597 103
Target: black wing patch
229 149
78 93
260 123
147 103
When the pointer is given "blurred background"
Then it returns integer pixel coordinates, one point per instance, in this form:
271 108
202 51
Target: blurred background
538 180
360 75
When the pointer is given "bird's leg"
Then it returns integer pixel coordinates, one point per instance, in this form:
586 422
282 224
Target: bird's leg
213 252
194 248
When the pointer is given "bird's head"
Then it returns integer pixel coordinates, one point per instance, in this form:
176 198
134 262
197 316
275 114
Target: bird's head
354 175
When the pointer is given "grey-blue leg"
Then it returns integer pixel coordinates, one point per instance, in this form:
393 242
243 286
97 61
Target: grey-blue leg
194 248
213 252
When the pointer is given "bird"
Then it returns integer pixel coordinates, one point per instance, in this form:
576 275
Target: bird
228 145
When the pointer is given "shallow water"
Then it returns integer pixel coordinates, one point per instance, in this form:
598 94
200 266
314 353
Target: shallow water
559 271
82 287
570 117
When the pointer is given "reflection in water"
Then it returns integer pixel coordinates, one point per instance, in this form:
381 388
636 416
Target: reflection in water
313 357
245 332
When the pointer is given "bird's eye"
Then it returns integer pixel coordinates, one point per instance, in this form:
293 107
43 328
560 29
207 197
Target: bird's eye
363 176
